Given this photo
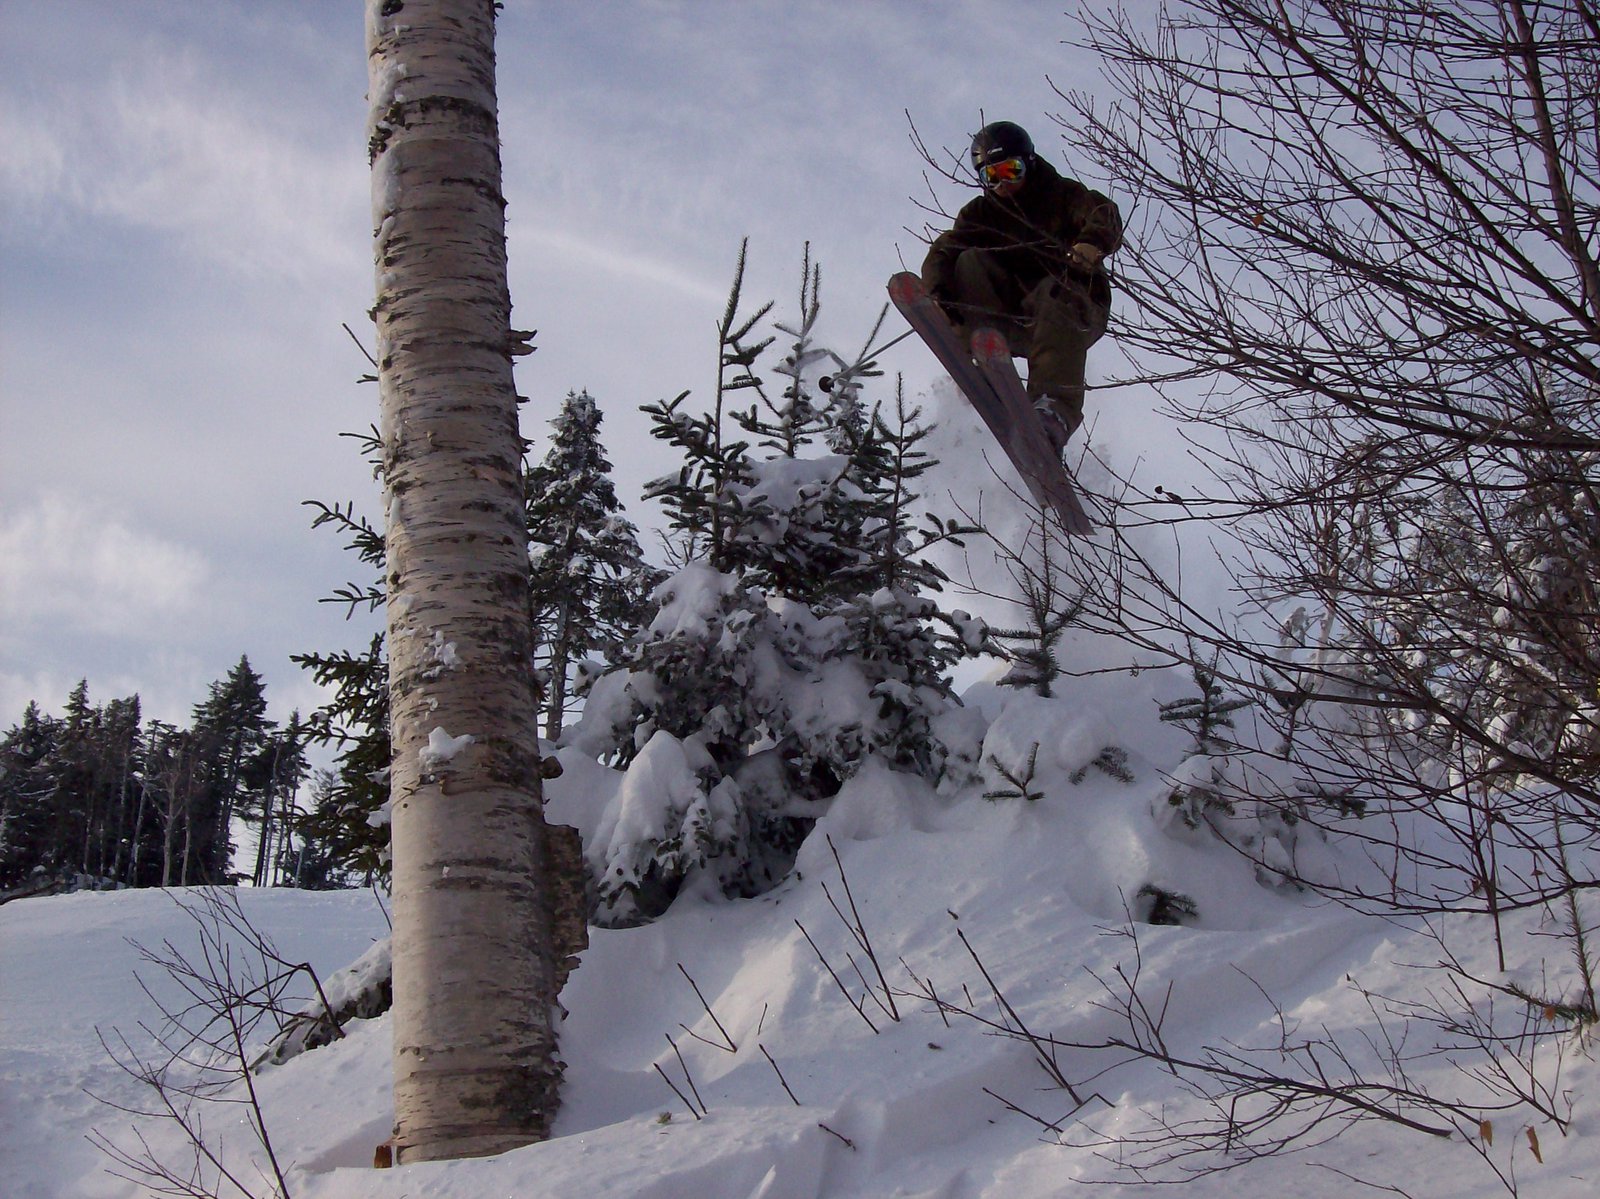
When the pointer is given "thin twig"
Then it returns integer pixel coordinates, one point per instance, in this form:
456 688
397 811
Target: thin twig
1040 1120
1046 1057
927 992
778 1072
687 1077
860 1008
730 1047
834 1132
860 931
656 1066
365 353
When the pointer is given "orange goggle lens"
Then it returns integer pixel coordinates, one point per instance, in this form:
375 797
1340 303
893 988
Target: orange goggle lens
1007 170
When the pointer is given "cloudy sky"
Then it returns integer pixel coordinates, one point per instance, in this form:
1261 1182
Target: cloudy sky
184 233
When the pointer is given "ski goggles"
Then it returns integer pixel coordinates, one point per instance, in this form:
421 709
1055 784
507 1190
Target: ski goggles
1007 170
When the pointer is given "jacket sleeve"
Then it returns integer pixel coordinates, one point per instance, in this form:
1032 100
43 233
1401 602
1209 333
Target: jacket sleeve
1099 222
938 268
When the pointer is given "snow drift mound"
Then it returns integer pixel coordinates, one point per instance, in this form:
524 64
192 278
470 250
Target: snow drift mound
896 1019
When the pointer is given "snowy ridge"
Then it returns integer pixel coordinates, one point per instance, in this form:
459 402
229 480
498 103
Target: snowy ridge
916 1109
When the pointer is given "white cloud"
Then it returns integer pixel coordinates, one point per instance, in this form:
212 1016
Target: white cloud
160 143
65 567
593 255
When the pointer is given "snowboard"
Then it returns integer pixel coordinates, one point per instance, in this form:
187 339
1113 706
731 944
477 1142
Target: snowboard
988 377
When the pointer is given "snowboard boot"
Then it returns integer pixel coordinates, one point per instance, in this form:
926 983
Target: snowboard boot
1060 418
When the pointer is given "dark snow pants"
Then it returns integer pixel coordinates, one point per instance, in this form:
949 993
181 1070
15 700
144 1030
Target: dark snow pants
1052 325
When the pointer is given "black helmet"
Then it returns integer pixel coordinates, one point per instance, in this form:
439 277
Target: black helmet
998 141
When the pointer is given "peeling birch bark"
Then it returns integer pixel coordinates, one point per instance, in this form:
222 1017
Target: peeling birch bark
475 960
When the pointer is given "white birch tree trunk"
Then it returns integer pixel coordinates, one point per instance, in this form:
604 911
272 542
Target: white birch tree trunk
474 958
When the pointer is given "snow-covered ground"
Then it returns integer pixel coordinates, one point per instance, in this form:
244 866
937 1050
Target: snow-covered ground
913 1108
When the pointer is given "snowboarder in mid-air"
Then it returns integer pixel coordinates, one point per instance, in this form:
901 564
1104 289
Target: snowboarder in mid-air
1024 258
1020 273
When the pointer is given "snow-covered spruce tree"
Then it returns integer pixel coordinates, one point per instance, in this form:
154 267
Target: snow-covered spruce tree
1049 602
1216 786
588 580
1201 785
1546 574
796 641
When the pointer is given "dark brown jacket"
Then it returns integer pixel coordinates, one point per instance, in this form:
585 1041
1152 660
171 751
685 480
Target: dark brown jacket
1033 231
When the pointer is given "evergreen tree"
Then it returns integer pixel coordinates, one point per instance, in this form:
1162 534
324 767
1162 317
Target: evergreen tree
108 848
588 581
603 584
73 770
701 500
69 806
351 814
274 775
314 853
25 793
1201 784
170 773
230 731
142 856
93 798
1051 603
795 642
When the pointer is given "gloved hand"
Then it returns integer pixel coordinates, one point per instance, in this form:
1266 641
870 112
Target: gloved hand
943 297
1087 255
